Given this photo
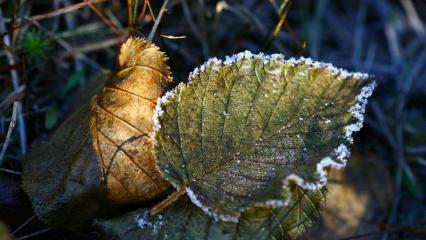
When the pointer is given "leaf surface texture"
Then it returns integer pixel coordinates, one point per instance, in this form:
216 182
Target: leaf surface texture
239 129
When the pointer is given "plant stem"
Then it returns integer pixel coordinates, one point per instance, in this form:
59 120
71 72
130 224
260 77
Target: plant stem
166 202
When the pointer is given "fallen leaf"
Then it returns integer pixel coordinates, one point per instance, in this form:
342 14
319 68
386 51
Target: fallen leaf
184 220
358 199
62 177
102 153
242 128
122 125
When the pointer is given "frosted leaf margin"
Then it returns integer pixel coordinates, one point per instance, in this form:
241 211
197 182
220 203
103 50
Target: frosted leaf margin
337 158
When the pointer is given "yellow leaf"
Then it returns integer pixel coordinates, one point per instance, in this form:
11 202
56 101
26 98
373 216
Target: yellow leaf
121 123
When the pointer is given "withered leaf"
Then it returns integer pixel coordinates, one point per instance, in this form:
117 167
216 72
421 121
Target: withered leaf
102 153
184 220
62 176
245 127
122 126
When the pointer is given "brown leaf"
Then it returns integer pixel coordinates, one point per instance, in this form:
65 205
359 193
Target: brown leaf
122 126
102 152
358 199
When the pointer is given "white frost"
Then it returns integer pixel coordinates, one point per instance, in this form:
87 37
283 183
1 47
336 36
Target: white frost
275 203
143 222
207 210
358 110
337 158
276 57
158 111
341 153
196 71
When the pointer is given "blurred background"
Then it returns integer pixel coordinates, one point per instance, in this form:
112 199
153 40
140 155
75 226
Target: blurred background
51 49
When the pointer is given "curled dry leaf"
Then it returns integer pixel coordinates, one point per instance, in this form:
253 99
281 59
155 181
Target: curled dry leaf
121 123
103 151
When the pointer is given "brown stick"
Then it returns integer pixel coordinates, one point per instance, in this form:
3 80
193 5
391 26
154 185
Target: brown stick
158 20
104 18
52 14
166 202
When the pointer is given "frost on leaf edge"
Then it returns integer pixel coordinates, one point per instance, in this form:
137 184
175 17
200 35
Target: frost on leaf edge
341 153
276 57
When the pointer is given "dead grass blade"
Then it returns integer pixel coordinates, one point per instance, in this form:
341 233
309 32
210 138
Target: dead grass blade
57 12
104 18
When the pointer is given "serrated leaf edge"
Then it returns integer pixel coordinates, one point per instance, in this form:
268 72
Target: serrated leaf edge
341 153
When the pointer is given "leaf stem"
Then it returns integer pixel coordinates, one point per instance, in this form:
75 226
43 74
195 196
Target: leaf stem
166 202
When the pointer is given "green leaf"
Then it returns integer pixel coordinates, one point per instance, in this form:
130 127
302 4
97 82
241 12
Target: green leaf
247 126
74 80
184 220
51 118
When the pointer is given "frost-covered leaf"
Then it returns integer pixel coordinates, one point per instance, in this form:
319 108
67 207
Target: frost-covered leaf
245 127
184 220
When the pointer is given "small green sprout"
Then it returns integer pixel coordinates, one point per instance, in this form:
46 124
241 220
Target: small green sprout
35 45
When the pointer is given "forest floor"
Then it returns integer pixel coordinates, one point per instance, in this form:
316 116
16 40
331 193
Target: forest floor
52 48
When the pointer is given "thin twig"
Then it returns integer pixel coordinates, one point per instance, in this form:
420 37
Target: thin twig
34 234
393 42
166 202
9 131
70 24
92 47
413 18
151 12
135 11
382 124
104 18
23 225
282 13
142 14
201 38
67 46
158 20
286 7
12 97
130 13
57 12
5 170
15 82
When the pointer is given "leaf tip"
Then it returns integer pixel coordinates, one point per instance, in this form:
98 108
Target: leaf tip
342 152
